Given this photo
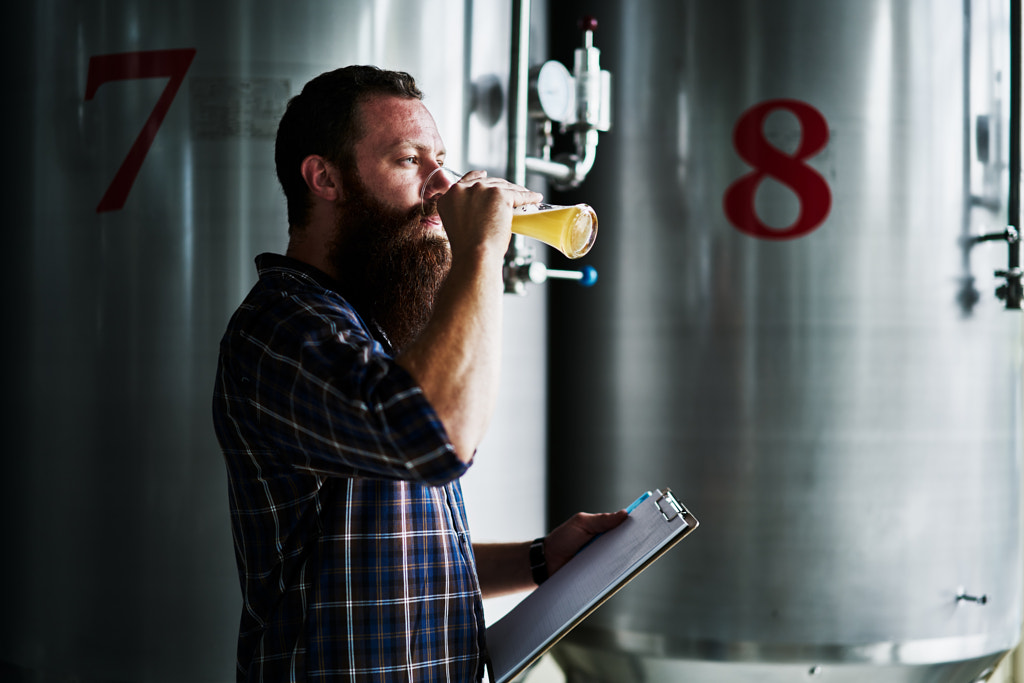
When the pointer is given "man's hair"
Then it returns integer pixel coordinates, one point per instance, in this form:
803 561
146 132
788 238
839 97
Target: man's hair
324 119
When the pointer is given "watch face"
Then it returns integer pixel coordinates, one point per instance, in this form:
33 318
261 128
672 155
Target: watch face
556 92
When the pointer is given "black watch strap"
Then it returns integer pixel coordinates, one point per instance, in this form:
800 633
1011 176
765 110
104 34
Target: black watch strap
538 563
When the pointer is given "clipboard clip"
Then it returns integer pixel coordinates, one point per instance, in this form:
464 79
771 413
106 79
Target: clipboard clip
668 506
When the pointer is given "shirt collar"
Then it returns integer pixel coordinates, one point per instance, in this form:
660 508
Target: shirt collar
268 261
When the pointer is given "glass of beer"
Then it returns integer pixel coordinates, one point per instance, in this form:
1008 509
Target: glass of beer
569 229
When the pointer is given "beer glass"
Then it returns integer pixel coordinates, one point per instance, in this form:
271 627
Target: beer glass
569 229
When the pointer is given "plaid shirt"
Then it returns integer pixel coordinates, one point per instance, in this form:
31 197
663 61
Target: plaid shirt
353 551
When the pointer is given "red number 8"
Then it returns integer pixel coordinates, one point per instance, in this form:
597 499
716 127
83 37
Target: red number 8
790 170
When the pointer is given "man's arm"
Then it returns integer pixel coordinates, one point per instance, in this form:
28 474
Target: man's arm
457 357
505 567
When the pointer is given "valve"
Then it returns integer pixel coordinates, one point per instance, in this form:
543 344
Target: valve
580 102
1012 291
962 596
517 274
593 85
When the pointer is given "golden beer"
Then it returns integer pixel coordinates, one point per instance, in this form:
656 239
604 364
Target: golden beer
569 229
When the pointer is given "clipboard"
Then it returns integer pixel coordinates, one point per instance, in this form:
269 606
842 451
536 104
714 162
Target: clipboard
656 522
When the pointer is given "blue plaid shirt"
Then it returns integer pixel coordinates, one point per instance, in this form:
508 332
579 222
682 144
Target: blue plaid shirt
353 550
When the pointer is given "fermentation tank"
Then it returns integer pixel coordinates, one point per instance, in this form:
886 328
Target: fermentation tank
795 330
140 186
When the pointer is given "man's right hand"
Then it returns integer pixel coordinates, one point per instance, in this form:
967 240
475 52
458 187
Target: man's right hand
477 212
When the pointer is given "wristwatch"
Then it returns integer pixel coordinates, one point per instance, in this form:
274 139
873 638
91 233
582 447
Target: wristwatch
538 563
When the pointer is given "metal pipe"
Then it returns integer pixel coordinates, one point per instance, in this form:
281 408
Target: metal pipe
569 175
518 89
518 117
968 295
1013 292
1013 202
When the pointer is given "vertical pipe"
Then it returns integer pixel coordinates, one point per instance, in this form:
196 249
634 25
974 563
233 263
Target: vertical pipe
519 81
968 295
518 90
1013 203
1014 295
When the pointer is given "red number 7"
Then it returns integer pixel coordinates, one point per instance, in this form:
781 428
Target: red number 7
170 64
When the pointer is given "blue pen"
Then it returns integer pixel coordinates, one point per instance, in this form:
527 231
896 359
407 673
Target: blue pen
636 503
633 506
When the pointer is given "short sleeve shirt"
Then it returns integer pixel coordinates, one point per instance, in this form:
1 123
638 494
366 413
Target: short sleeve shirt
353 550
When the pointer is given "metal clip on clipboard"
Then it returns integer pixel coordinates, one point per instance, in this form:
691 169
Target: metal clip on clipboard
669 506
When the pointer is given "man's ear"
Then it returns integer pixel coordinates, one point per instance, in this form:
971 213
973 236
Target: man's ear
322 177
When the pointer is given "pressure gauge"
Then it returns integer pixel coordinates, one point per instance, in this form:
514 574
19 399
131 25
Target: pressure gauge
553 92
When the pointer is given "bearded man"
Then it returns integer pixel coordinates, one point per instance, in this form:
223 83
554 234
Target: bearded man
355 382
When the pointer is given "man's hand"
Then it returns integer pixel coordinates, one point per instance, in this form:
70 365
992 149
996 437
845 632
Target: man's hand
505 567
567 539
478 209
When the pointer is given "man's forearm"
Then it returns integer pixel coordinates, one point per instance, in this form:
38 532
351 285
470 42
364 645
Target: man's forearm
503 568
457 358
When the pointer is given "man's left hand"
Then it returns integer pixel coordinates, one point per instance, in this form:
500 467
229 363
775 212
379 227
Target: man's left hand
567 539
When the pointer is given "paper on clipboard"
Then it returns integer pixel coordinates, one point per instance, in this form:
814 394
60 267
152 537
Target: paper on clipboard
656 522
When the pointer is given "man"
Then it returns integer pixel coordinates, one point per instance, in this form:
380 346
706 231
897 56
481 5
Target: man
355 383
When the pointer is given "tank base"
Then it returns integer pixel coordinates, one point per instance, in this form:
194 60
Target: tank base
589 665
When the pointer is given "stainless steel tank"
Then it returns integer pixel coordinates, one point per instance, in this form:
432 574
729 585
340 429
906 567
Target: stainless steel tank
789 340
122 270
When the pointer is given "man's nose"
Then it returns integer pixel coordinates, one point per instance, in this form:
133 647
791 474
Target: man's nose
438 182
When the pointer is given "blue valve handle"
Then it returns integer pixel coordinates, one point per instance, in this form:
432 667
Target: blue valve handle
537 273
586 276
589 276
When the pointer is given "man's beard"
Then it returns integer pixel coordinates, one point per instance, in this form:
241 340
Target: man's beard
389 269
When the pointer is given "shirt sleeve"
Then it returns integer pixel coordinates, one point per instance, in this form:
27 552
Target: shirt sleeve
318 393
